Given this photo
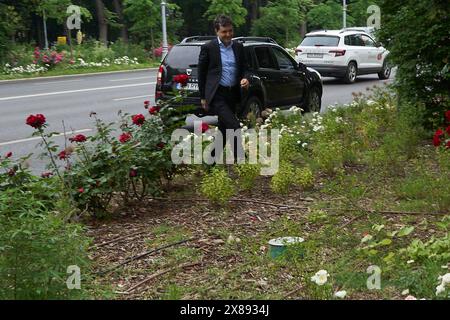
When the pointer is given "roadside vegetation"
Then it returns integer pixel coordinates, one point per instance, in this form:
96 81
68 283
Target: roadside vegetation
366 185
380 198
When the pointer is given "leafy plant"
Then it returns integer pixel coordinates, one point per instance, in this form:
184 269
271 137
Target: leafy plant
217 186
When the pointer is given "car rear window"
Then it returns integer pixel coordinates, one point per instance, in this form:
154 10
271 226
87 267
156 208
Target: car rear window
183 56
326 41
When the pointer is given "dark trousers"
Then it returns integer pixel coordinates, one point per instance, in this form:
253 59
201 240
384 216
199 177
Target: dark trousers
224 106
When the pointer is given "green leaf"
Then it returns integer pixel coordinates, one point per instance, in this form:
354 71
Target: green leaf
385 242
405 231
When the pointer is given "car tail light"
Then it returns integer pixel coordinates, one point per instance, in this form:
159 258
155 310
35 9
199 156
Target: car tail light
298 51
160 75
338 53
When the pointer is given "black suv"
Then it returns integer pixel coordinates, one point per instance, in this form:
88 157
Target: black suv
276 80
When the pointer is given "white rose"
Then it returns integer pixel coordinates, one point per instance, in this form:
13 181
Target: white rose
440 289
445 278
321 277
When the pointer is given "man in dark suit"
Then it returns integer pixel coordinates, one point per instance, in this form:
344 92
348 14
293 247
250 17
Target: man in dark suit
221 75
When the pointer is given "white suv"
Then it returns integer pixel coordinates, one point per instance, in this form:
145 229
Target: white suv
343 54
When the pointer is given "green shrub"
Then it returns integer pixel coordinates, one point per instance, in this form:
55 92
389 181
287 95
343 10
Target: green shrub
283 179
304 178
37 244
247 175
217 186
415 34
328 155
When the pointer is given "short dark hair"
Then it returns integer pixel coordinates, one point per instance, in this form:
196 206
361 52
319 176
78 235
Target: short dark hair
222 21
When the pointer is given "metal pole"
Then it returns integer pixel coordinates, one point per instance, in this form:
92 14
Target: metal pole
165 46
344 13
45 30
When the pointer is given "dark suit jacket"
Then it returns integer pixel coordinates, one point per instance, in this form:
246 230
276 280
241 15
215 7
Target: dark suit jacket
210 67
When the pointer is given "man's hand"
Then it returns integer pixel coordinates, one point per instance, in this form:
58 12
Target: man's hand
204 104
244 83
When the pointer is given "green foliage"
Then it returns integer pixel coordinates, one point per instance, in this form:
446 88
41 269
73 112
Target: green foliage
283 179
247 175
328 155
57 9
357 12
37 244
231 8
10 23
327 15
415 33
281 20
145 18
217 186
304 177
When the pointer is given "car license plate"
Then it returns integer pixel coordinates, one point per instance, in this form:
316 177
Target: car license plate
314 55
192 86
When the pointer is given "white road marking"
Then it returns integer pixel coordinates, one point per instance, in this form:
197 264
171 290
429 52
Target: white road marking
115 80
54 82
131 98
76 91
39 138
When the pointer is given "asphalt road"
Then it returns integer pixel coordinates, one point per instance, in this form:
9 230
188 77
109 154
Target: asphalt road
67 102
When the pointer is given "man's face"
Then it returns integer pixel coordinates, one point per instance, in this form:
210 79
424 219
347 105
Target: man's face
225 34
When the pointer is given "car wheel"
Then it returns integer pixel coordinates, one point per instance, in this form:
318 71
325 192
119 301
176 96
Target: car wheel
385 71
252 109
350 74
314 101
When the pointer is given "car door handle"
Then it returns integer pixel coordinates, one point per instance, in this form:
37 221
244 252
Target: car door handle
259 78
285 78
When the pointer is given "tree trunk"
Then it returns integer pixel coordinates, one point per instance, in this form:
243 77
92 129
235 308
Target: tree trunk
124 31
102 23
303 29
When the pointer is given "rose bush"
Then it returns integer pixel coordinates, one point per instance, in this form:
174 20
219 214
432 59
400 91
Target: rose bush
98 169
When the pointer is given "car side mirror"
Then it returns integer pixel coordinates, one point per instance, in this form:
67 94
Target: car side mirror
301 67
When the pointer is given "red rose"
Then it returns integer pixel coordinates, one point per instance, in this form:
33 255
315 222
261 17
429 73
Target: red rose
146 103
78 138
161 145
12 173
81 190
204 127
133 173
63 155
447 115
181 78
138 119
448 130
439 132
153 109
125 137
9 155
436 141
36 121
447 146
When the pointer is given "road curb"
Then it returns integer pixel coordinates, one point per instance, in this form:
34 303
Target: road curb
76 75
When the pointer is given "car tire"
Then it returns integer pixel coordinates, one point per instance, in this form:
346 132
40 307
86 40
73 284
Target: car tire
253 108
385 72
314 100
350 73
